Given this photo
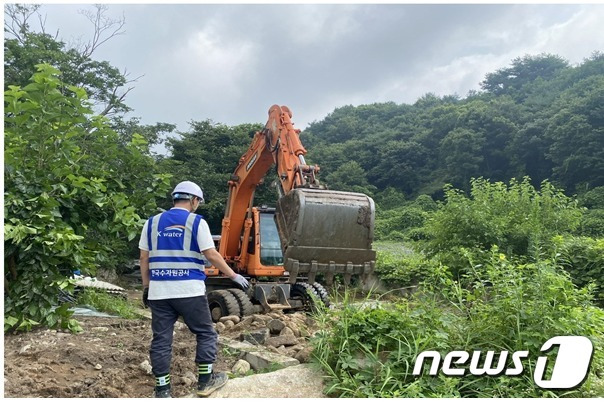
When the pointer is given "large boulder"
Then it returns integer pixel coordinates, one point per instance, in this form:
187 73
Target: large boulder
301 381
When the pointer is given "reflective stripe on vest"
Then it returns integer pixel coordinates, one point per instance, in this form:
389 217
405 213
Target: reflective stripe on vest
175 256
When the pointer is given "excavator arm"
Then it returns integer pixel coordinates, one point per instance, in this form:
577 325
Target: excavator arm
320 231
278 143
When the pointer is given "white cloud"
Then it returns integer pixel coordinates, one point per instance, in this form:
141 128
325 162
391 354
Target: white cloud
576 38
213 65
231 62
320 24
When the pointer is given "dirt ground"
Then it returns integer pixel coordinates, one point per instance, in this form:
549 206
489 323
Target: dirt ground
110 358
103 361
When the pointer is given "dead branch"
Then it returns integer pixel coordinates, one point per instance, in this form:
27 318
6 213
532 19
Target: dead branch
16 17
105 28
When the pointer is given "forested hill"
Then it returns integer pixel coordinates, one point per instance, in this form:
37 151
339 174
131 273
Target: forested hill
540 117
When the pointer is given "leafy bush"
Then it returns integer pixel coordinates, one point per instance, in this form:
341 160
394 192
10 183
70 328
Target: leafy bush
403 269
370 351
583 259
593 199
517 218
592 224
405 222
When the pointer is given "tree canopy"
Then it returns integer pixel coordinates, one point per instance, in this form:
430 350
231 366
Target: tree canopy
541 117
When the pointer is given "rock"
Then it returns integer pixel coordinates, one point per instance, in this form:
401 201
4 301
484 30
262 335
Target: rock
113 334
180 325
62 334
287 331
191 377
99 329
286 340
257 337
98 367
274 315
220 327
275 326
303 356
241 367
187 381
301 381
245 322
24 349
292 353
229 324
272 348
233 318
298 348
281 349
146 367
294 329
261 319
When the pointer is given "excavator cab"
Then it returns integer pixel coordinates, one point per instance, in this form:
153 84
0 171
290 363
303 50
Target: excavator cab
270 246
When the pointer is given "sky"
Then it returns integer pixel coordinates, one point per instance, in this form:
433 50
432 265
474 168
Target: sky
230 63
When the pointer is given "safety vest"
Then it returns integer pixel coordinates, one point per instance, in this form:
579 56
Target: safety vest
174 253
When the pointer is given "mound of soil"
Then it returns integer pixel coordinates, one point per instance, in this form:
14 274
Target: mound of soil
109 359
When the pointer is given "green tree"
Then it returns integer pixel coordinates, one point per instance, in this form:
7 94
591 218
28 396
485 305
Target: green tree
523 71
69 201
350 176
461 151
399 165
576 132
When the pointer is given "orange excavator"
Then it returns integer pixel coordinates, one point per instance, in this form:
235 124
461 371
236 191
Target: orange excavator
313 232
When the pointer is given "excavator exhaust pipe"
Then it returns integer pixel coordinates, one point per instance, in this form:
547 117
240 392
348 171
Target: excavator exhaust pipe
326 232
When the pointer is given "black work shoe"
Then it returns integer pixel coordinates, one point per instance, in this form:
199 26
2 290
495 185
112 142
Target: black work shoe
163 393
217 380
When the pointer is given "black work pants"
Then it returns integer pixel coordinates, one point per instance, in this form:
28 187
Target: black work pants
196 314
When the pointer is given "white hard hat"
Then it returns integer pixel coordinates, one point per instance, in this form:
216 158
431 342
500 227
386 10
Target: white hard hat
187 187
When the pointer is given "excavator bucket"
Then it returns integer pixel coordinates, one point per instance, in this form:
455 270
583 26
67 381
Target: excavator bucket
326 232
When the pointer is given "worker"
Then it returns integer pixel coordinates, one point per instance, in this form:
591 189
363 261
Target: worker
173 248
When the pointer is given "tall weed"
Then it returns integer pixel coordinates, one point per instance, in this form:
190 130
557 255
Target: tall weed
369 349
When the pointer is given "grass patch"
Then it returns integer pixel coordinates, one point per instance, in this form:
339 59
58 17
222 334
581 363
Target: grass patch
108 303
